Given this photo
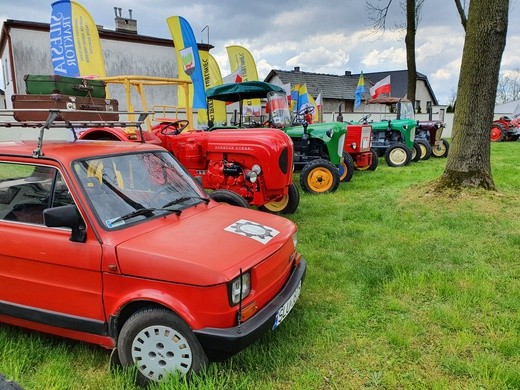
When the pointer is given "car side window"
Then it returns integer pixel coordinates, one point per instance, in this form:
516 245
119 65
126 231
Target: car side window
26 190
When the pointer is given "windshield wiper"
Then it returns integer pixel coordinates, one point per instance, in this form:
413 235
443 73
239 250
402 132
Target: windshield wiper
144 211
184 199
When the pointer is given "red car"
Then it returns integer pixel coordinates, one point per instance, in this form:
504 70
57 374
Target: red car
114 243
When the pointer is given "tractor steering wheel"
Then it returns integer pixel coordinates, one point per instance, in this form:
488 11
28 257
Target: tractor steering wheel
178 125
364 119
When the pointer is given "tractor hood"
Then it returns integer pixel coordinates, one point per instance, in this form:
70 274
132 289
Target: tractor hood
205 248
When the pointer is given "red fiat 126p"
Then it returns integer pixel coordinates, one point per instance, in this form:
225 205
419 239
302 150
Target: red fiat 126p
114 243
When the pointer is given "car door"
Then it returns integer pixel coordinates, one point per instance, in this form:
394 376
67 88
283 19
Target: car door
45 277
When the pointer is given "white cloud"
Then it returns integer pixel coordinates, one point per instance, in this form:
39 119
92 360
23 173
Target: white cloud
391 55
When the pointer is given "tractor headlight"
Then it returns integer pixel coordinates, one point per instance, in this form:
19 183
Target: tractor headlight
353 145
252 176
239 288
295 239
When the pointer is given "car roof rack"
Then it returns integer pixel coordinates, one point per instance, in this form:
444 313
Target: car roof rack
51 122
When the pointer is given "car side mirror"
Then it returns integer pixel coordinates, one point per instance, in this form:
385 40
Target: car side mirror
66 216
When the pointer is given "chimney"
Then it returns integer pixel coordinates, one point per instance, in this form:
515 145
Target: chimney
296 68
348 73
127 25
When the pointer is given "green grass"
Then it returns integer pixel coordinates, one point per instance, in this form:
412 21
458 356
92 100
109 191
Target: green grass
404 290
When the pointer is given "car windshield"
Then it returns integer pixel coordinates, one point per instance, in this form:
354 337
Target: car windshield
129 188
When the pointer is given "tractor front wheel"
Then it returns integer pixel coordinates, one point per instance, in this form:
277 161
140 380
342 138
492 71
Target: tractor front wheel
229 197
416 152
319 177
398 155
373 165
441 149
287 205
498 132
426 149
346 169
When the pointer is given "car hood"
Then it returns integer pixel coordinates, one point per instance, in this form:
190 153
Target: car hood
205 248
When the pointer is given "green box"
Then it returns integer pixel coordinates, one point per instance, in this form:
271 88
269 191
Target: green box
72 86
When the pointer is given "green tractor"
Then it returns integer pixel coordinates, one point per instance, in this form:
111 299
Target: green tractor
394 138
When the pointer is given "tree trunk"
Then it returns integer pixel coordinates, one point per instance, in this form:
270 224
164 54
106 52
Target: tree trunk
468 163
410 49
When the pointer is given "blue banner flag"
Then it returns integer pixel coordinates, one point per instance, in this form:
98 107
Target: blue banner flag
359 90
188 54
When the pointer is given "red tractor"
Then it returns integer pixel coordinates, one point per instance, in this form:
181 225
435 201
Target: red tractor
241 168
506 128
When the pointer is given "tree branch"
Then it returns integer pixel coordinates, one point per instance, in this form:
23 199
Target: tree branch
462 13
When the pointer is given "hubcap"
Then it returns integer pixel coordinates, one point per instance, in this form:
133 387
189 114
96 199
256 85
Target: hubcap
320 179
439 150
277 206
398 156
423 150
157 350
495 133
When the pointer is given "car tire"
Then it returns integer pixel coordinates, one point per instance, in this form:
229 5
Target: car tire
287 205
229 197
8 385
159 343
319 177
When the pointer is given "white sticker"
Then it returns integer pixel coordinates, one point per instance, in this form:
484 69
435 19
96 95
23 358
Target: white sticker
261 233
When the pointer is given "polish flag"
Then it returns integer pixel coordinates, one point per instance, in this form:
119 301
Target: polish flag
319 101
381 87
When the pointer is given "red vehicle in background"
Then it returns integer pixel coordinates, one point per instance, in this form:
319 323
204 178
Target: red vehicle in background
253 168
506 128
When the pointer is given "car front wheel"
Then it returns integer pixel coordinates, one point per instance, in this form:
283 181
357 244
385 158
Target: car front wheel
158 343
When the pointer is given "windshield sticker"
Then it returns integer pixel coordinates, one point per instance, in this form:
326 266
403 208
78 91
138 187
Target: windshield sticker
114 222
261 233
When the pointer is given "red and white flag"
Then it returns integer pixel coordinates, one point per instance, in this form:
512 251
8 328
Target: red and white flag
235 77
319 102
381 87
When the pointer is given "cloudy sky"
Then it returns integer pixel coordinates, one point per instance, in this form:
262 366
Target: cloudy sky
330 36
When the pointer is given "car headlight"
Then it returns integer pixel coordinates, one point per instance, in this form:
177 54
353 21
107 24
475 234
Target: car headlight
239 288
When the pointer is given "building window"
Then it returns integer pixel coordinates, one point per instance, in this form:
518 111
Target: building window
418 106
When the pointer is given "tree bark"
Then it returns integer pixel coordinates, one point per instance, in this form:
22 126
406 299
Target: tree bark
469 163
409 39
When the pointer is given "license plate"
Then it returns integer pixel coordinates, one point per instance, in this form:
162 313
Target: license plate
287 306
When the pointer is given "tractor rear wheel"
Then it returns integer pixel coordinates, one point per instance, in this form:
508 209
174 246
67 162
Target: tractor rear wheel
498 132
398 155
441 150
229 197
346 169
426 149
319 177
287 205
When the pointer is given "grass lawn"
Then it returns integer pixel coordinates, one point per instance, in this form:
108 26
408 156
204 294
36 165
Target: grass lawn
404 290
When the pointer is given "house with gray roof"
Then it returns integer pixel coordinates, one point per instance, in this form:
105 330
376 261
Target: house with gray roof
338 91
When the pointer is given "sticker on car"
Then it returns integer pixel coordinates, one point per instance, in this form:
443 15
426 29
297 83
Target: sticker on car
258 232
